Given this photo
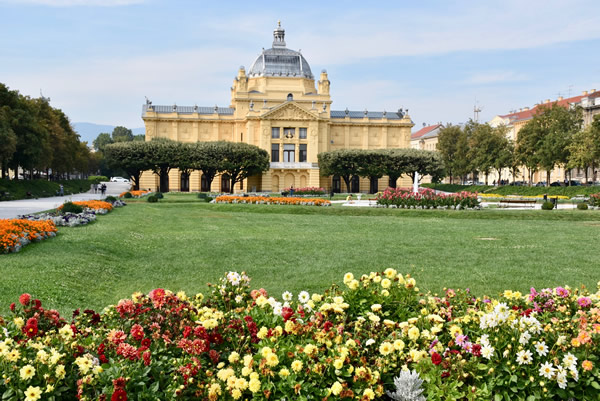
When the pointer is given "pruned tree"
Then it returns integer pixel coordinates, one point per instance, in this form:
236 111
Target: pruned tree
242 160
344 163
129 156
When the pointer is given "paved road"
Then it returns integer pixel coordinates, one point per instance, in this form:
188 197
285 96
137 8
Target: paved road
12 209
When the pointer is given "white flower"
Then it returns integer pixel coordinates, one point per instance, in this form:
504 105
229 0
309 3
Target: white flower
369 342
234 278
487 351
541 348
524 357
561 379
239 298
484 340
525 337
547 370
303 297
569 360
307 308
287 296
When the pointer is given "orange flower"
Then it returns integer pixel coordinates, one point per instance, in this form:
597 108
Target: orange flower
272 200
587 365
93 204
13 230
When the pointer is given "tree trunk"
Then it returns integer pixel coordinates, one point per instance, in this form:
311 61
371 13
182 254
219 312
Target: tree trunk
163 185
136 181
486 178
347 181
548 178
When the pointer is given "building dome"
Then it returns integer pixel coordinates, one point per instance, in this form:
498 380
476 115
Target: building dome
279 61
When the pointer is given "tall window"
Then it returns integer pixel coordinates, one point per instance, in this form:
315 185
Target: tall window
275 132
225 183
392 183
302 154
274 152
204 187
289 153
354 184
374 187
336 184
302 133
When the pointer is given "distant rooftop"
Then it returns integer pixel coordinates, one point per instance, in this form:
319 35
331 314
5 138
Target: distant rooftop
369 114
186 109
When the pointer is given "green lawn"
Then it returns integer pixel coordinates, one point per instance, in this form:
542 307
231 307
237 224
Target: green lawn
179 244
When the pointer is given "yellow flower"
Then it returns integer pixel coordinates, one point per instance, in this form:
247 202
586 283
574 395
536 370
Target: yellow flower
390 273
310 349
272 360
246 371
215 389
386 348
416 355
348 277
181 295
369 393
254 385
241 383
265 351
27 372
413 333
337 388
284 372
236 394
13 356
353 285
262 301
262 333
377 279
386 283
385 293
49 388
297 366
42 356
376 307
338 364
84 364
60 371
19 322
398 345
454 330
316 297
247 360
234 357
33 393
97 370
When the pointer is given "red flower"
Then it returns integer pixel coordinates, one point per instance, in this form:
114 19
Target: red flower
445 374
137 332
24 299
12 307
146 356
31 328
287 313
146 342
119 395
119 384
436 358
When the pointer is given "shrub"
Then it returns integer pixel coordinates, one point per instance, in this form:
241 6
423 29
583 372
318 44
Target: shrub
127 195
159 195
547 206
202 195
97 179
110 199
582 206
70 207
152 198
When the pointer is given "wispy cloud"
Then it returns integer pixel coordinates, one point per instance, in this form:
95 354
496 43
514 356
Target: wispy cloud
495 77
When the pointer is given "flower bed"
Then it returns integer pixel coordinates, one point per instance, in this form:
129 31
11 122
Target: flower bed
350 342
16 233
63 219
135 194
426 198
307 191
99 207
272 200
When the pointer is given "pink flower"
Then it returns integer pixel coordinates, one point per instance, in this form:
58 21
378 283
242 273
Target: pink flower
562 292
584 302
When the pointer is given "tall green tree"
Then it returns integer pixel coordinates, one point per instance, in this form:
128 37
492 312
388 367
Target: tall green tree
8 141
102 140
344 163
131 157
453 146
584 149
161 154
242 160
122 134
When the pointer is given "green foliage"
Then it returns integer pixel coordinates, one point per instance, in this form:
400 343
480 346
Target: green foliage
70 207
111 199
101 141
122 134
152 198
547 206
205 197
517 190
97 179
453 146
129 156
241 160
127 195
40 188
582 206
159 195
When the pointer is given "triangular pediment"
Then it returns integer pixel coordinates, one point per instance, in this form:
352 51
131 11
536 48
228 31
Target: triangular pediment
289 111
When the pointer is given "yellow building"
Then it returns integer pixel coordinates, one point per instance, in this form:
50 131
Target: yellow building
277 106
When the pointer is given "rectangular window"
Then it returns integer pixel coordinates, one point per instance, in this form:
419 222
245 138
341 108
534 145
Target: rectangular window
289 153
289 132
302 133
274 152
275 132
302 153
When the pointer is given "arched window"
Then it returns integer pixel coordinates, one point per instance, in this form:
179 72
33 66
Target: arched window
290 97
204 187
392 183
225 183
354 184
184 182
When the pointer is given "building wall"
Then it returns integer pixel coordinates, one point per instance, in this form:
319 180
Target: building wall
261 104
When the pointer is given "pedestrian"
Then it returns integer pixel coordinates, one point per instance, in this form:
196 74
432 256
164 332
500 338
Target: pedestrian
95 188
349 198
331 193
292 190
61 190
103 189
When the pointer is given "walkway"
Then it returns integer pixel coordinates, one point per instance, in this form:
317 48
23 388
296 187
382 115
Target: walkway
12 209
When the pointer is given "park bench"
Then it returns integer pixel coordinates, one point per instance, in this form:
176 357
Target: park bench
517 202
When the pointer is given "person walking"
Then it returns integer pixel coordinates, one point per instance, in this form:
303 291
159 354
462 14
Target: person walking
103 189
61 190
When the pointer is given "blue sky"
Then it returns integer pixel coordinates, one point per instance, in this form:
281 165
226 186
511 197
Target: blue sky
97 59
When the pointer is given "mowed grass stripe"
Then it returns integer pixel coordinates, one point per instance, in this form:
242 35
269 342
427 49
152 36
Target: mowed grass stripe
182 246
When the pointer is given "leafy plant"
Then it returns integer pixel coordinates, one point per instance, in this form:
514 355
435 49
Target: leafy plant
547 206
127 195
152 198
70 207
582 206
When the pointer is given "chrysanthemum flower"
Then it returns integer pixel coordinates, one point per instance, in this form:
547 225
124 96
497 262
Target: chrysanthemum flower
524 357
547 370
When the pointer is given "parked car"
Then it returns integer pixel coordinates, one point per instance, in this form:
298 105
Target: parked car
541 184
556 184
119 179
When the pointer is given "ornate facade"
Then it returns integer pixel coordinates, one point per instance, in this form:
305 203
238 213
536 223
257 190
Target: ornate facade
277 106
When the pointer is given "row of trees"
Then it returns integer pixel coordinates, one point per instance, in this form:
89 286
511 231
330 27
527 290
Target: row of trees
119 134
375 163
37 137
237 160
553 137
